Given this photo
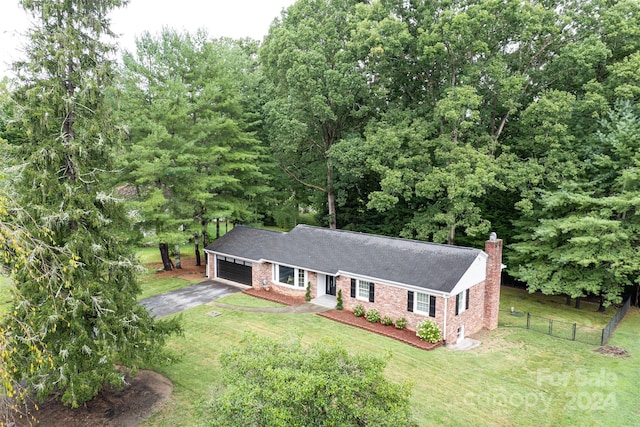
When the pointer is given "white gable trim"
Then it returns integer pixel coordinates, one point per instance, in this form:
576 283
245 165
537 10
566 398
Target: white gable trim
476 273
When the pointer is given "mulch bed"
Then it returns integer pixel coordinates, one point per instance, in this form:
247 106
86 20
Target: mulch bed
404 335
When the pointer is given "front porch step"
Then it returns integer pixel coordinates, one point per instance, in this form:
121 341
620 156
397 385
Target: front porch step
328 301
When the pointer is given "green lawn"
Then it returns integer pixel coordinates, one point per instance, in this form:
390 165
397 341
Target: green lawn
516 378
151 285
554 307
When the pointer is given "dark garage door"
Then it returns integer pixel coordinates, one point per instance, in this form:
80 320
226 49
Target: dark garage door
234 269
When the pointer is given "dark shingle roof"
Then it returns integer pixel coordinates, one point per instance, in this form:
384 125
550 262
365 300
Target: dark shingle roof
427 265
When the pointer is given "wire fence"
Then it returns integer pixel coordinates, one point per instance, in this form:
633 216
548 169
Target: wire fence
617 318
561 329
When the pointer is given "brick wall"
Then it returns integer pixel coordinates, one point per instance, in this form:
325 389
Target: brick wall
211 266
472 318
392 301
493 247
265 270
259 272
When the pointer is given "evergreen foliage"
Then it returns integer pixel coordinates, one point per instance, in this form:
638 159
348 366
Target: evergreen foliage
191 155
87 319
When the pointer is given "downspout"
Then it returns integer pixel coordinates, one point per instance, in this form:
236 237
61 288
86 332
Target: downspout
444 336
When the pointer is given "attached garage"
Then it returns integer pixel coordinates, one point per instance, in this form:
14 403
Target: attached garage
233 269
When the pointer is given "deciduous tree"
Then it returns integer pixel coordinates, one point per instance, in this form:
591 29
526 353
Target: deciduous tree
320 91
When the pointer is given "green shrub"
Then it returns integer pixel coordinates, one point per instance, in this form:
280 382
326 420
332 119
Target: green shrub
358 311
401 323
373 316
428 331
386 321
307 295
339 300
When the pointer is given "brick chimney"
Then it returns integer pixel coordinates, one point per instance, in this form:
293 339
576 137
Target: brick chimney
493 248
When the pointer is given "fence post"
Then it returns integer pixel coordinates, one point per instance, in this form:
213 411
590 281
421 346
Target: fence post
551 327
528 320
574 331
602 339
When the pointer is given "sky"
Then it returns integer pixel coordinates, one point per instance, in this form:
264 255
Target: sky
221 18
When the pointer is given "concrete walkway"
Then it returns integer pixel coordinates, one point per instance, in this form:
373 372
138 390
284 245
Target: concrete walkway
187 297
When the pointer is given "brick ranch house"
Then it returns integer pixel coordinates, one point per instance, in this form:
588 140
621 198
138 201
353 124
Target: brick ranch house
457 287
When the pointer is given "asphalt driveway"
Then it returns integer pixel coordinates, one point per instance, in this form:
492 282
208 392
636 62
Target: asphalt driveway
187 297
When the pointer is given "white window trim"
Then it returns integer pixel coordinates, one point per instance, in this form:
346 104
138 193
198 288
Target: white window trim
415 303
462 302
361 298
276 276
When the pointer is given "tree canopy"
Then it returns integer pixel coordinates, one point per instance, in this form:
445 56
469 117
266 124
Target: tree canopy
281 383
191 154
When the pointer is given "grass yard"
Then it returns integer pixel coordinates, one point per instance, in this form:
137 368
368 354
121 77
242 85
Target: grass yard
151 285
516 378
554 307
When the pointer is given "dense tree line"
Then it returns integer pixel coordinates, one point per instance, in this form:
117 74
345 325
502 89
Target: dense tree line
435 120
454 118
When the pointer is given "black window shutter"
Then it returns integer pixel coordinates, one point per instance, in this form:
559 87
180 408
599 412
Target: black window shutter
432 306
410 301
371 293
457 304
466 302
353 288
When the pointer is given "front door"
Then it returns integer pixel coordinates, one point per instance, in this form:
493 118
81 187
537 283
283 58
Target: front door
331 285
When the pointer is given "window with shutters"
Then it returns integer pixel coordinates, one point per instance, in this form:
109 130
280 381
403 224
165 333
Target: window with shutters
363 290
462 301
422 303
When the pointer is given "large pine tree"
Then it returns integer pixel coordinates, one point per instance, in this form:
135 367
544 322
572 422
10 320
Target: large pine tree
90 320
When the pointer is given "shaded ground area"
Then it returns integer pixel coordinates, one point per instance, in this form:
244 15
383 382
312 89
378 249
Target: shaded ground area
404 335
111 408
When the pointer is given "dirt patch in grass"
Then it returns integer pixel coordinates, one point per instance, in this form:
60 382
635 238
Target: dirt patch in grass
110 408
612 350
189 271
